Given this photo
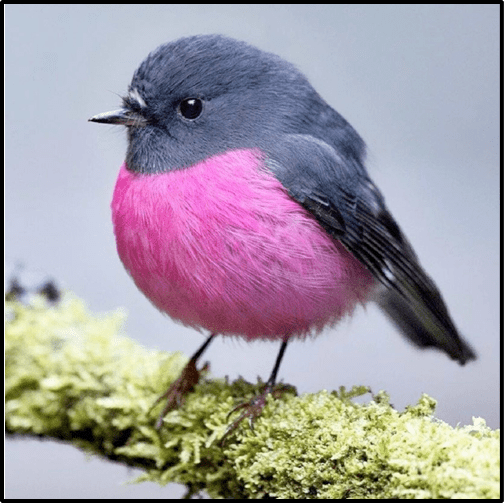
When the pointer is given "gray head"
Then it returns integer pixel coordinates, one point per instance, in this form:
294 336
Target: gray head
203 95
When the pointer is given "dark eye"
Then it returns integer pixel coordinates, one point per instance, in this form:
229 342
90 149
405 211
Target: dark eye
191 108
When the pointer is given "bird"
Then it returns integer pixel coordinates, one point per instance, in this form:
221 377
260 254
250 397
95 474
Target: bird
244 208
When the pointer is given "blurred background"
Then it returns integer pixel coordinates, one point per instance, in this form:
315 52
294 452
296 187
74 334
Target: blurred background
421 86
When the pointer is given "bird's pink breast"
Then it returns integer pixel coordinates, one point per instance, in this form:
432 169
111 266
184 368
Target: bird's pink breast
220 245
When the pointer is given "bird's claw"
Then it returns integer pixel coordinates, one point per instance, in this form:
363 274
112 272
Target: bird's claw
176 394
254 407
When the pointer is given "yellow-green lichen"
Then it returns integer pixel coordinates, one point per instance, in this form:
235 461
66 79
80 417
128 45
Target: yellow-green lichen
71 376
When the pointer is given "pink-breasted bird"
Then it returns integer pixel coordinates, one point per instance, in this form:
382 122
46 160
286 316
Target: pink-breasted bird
244 207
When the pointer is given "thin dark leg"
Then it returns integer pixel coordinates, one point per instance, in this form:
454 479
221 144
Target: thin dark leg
201 350
189 377
274 372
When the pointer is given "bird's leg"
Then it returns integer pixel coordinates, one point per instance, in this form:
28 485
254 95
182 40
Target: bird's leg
254 407
189 377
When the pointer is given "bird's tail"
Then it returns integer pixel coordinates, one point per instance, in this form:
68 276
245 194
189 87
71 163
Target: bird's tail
425 326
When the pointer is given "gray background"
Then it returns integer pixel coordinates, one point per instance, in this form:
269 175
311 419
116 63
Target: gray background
419 83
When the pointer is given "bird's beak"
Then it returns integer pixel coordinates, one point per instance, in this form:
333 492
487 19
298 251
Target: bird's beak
122 117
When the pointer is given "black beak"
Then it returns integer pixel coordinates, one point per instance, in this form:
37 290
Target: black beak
122 117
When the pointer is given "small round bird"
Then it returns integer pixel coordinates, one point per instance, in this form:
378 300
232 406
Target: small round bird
244 207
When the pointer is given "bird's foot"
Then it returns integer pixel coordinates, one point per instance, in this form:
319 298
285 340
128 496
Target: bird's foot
176 394
253 408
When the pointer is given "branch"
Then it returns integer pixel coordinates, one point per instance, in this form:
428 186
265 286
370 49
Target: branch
72 377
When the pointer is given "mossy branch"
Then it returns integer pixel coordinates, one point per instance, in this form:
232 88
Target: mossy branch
70 376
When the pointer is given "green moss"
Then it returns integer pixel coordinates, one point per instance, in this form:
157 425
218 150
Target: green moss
72 376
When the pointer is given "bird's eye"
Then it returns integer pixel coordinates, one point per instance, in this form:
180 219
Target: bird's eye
190 108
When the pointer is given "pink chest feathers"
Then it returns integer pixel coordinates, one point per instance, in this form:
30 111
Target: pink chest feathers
221 245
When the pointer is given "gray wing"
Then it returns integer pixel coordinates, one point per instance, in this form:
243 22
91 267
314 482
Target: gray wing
346 203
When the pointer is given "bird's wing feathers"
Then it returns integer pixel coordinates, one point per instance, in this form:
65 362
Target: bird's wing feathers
347 204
